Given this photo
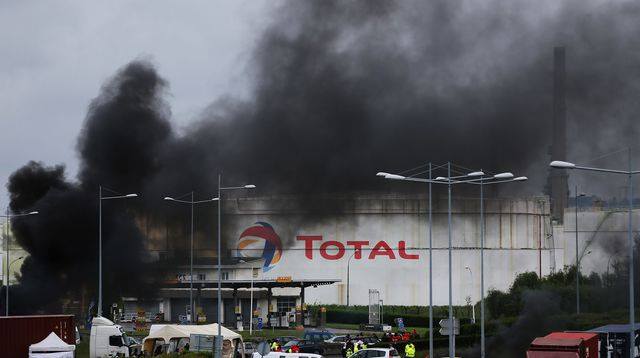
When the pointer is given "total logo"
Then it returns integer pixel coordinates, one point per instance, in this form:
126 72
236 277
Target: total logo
261 240
335 250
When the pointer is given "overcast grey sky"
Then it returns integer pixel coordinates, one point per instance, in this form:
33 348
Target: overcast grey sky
54 56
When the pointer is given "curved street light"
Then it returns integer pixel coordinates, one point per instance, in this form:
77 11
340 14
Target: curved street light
191 203
477 178
218 345
349 273
100 199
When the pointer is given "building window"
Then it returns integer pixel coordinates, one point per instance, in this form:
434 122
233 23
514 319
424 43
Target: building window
286 304
225 275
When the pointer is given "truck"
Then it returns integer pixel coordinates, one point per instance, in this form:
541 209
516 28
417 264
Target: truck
565 345
17 333
108 339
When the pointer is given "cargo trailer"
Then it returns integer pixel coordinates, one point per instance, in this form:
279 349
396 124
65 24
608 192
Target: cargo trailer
565 345
17 333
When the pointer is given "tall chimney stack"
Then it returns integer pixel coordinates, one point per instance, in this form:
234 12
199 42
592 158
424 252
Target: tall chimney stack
558 177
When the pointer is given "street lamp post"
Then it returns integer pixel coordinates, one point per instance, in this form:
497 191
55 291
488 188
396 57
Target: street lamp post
348 274
629 173
8 218
430 268
473 308
191 203
477 178
505 177
250 298
577 258
100 199
251 303
220 190
452 337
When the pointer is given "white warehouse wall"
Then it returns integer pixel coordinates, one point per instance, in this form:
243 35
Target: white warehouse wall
516 241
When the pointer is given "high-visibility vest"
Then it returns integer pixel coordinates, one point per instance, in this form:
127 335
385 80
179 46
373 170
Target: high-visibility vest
355 346
349 352
410 350
274 346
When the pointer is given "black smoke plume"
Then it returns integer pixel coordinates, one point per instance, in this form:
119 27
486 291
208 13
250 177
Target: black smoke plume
124 128
338 91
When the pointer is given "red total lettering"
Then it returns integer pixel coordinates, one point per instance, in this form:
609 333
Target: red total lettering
338 255
308 244
382 249
357 246
402 250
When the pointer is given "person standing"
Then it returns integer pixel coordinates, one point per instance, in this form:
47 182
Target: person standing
410 350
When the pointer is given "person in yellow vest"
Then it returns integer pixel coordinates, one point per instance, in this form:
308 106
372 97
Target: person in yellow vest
274 346
349 352
410 350
356 348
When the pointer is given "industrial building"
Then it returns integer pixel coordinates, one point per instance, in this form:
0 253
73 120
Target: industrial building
293 257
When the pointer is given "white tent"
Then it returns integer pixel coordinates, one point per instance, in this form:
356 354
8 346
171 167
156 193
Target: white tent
168 331
176 331
51 347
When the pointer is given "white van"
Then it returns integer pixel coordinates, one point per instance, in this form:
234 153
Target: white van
107 339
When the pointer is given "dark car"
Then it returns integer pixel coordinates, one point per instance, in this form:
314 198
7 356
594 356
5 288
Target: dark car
282 340
311 335
317 347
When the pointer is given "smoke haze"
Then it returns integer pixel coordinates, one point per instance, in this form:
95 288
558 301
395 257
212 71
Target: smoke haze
340 90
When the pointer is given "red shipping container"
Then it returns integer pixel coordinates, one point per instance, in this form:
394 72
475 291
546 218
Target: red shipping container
17 333
565 345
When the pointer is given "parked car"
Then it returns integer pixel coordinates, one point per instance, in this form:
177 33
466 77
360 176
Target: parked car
368 340
315 347
376 352
338 339
313 335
